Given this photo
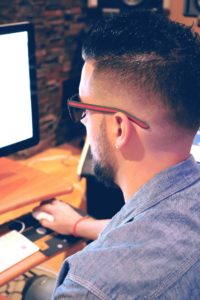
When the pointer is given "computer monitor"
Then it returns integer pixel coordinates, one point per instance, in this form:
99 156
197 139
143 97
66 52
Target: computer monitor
19 121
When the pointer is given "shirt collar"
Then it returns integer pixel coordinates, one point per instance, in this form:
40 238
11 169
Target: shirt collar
161 186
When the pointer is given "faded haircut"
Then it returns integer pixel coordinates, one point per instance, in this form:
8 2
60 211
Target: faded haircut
154 54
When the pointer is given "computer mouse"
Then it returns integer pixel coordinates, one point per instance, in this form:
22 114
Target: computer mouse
39 215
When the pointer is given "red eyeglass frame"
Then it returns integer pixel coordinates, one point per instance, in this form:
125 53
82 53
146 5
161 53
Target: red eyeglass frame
105 109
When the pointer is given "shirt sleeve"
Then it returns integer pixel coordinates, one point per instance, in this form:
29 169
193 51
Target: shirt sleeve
71 290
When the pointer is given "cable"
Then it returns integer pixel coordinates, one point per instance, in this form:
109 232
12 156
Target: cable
13 226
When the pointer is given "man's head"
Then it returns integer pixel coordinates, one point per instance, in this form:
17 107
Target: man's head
148 66
145 51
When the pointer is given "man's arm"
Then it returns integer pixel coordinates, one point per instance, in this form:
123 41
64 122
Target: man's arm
65 217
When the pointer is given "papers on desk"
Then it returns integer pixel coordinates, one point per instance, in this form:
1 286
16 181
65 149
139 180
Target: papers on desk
14 247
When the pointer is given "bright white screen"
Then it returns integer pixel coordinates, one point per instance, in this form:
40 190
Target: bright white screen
15 98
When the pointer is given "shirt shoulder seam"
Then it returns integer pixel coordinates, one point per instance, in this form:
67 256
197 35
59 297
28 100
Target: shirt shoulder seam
173 277
89 286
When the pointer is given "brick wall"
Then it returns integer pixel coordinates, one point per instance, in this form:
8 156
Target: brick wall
58 27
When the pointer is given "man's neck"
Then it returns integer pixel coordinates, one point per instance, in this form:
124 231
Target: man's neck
132 178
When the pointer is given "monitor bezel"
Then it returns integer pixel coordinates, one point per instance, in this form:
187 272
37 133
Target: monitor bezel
30 142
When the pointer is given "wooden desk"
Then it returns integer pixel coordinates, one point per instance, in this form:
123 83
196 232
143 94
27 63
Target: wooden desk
62 162
21 185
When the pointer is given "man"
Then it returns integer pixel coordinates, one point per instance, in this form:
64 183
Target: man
139 99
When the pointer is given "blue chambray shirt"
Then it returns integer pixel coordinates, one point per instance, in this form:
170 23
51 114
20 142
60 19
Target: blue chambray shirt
149 250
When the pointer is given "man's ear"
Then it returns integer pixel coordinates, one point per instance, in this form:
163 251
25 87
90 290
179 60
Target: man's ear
122 130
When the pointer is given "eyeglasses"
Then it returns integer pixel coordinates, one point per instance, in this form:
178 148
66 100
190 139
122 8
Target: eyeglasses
77 111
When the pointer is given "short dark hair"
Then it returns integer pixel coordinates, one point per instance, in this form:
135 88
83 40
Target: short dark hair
158 55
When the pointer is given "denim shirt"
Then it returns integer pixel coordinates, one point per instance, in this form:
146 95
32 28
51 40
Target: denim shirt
149 250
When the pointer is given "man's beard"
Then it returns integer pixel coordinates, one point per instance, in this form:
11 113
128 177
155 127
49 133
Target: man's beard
105 167
104 174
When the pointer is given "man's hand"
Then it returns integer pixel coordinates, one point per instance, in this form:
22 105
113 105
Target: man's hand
64 216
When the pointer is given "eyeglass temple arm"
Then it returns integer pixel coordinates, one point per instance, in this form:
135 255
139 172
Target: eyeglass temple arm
108 110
